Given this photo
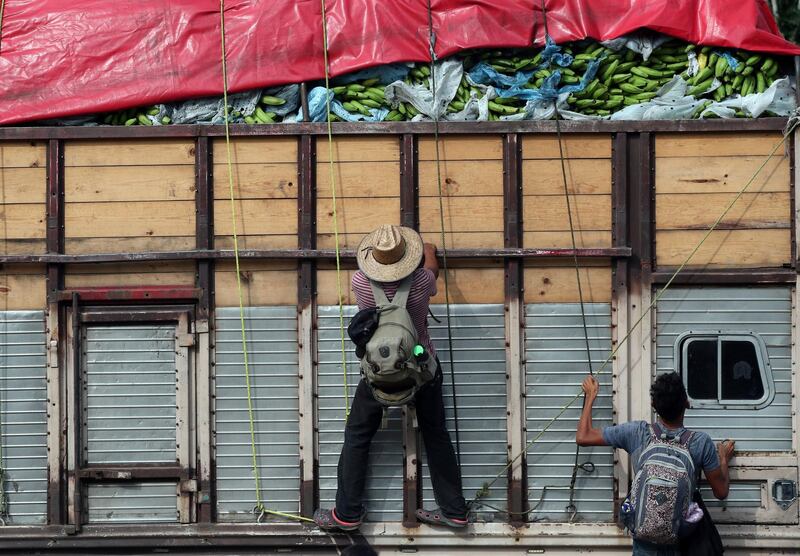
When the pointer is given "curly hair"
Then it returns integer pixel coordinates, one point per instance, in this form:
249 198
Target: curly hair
668 396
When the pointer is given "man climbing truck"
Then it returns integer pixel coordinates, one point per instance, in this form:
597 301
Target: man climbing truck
397 276
667 459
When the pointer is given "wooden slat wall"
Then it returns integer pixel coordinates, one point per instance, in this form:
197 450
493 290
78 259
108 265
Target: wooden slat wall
367 178
556 283
23 193
129 196
472 191
265 188
116 275
698 175
264 283
588 165
23 288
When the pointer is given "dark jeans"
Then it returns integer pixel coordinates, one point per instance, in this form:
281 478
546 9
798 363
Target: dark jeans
365 418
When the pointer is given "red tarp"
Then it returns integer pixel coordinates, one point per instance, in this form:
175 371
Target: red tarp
61 58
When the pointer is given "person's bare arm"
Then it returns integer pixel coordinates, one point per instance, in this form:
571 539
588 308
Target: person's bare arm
586 434
430 260
719 479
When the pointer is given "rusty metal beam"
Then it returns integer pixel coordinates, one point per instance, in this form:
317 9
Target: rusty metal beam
56 334
131 472
384 128
324 254
409 181
306 323
517 498
138 293
749 276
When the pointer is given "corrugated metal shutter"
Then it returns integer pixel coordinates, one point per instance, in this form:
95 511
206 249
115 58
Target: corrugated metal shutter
765 311
383 496
132 502
130 396
272 357
23 415
556 365
480 366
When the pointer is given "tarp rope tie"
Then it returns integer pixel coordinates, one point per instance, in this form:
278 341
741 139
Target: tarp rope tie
486 486
260 508
335 215
431 40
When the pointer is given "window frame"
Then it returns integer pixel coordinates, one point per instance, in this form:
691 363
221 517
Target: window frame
680 358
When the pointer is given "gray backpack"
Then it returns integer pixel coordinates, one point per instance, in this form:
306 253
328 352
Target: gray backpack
393 373
662 489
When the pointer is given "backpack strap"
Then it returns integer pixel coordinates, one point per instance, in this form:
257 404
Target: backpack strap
685 437
400 297
378 294
403 289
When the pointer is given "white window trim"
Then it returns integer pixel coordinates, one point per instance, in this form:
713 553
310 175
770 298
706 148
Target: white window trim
764 368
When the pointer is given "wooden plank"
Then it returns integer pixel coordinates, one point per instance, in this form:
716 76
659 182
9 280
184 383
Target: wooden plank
129 152
129 274
549 212
251 241
583 239
327 287
462 214
131 219
586 145
462 240
23 292
247 150
731 248
471 285
263 284
23 154
346 241
357 215
23 246
23 185
695 211
559 285
23 221
462 147
274 180
717 144
256 216
128 183
360 149
584 177
359 179
717 174
88 245
462 178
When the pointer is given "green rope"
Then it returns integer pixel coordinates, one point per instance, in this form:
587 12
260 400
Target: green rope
486 486
335 216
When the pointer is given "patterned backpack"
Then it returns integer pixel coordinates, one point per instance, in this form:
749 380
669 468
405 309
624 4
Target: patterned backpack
662 488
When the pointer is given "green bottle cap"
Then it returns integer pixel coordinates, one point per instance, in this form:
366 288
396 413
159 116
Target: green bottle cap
418 350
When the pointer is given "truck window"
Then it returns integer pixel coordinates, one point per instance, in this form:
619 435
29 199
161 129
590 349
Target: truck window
725 369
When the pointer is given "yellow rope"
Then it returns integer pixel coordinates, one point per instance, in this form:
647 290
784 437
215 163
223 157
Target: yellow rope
335 216
658 296
2 11
259 503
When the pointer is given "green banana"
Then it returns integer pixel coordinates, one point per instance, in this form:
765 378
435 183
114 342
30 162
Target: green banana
272 101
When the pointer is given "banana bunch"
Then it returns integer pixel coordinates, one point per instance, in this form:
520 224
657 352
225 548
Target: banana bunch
749 73
134 116
263 115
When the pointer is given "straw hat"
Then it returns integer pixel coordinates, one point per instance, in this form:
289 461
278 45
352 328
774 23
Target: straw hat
389 253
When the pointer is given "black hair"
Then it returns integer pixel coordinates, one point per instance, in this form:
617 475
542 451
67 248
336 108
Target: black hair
359 550
668 396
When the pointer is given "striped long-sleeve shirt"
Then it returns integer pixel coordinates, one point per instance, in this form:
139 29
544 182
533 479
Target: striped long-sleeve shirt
423 287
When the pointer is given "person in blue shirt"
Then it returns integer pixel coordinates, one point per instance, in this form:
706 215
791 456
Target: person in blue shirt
670 402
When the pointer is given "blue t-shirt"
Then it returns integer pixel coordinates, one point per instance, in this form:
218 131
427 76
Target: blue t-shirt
631 436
